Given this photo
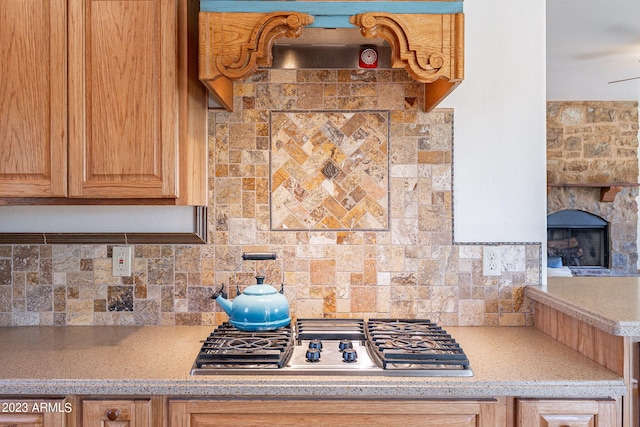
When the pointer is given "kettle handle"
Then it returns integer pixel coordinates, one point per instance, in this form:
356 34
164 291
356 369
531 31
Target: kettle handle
261 256
219 292
258 256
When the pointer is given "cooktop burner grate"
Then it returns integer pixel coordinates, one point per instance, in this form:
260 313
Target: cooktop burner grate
391 347
330 329
413 344
227 346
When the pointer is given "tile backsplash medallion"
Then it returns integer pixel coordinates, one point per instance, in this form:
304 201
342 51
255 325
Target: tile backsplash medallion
343 176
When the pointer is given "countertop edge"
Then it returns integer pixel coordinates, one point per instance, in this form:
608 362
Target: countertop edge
607 325
331 388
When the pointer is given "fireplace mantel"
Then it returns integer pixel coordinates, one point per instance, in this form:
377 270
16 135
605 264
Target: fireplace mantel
608 192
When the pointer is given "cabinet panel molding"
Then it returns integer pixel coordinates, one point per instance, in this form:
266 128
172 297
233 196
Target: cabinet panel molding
573 413
101 101
356 412
123 103
33 98
34 412
120 413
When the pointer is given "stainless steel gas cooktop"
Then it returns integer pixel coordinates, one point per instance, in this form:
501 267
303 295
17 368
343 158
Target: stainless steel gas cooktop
390 347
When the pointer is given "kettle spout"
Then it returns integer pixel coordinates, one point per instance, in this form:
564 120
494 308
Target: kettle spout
221 298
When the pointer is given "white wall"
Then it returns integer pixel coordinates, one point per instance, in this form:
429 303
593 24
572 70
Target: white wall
500 124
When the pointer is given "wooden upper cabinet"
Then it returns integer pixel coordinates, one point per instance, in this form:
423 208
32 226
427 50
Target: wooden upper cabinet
136 120
122 99
33 98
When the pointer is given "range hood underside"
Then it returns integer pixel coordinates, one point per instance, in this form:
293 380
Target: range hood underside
295 57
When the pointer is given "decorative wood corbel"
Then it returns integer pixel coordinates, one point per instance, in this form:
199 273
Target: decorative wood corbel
430 47
233 45
608 194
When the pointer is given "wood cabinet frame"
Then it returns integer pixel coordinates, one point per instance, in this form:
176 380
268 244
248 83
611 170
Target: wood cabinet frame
356 412
616 353
101 102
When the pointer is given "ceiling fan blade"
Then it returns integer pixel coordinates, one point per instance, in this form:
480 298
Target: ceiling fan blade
624 80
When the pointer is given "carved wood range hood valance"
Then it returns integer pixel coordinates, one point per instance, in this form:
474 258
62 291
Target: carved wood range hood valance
426 38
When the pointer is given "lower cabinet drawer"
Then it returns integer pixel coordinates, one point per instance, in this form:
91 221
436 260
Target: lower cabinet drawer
120 413
574 413
34 412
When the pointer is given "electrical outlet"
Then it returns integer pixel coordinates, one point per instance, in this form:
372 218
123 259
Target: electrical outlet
491 261
121 261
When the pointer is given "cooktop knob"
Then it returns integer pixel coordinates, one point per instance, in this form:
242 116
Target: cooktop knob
349 355
317 344
344 344
313 355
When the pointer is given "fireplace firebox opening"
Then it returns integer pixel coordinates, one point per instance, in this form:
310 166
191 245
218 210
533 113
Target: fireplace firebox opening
577 239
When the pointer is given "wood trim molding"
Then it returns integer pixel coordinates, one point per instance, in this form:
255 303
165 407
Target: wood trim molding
430 47
605 349
608 192
233 45
257 50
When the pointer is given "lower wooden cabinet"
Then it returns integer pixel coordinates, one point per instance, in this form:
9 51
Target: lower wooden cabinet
166 411
356 412
567 413
120 413
33 413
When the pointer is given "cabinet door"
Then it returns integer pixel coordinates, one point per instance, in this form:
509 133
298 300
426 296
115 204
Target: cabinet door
116 413
356 413
122 99
567 413
33 413
33 98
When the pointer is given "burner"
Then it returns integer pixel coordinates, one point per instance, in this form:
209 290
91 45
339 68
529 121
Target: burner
406 327
228 346
391 347
413 343
246 344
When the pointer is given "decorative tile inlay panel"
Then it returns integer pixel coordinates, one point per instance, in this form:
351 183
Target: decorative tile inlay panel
329 171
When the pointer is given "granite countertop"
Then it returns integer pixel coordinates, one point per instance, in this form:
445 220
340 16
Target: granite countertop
156 360
611 304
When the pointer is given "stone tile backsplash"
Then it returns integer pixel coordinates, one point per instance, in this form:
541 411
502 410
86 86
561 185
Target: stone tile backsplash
392 255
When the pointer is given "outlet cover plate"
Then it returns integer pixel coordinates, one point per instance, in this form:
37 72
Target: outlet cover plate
491 261
121 261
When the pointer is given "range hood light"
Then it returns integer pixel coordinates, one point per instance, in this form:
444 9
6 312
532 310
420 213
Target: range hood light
289 61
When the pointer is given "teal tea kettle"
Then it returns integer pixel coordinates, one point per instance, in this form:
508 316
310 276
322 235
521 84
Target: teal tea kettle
260 307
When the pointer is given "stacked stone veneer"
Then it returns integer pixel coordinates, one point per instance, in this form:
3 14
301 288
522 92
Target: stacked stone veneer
399 261
596 143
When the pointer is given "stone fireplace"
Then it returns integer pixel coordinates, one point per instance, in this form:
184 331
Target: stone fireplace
592 183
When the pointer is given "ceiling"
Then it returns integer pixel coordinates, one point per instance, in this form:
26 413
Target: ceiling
590 43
